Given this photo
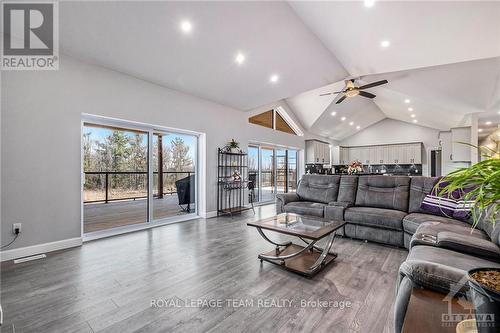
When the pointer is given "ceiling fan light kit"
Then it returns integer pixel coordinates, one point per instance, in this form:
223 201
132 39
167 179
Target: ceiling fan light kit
351 90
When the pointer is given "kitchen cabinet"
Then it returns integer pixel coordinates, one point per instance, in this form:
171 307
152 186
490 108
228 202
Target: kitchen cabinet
408 153
344 155
317 152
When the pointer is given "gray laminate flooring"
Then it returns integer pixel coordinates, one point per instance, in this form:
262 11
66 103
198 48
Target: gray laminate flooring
204 276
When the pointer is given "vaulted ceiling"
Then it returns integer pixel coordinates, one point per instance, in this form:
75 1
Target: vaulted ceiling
443 56
144 39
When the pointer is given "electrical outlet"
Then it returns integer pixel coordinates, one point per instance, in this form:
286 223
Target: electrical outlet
16 227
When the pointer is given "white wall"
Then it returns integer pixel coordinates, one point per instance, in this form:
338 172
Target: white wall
394 131
40 139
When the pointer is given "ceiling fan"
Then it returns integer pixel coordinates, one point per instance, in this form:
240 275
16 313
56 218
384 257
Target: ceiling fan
351 90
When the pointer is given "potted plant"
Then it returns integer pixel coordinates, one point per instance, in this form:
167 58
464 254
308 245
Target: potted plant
233 147
480 184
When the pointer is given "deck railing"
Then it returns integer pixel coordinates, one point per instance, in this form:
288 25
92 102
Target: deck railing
109 174
267 178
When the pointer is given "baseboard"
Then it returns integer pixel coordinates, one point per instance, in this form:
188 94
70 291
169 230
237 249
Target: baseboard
209 215
40 248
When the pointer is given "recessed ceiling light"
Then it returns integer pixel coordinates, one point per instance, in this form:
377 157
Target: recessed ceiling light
413 116
407 101
343 118
274 78
410 109
385 43
333 113
488 123
498 112
240 58
415 120
351 123
479 129
369 3
358 127
186 26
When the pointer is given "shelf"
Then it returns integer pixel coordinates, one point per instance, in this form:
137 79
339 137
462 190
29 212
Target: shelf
235 154
233 166
234 210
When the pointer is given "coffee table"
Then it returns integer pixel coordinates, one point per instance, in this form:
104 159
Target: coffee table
306 260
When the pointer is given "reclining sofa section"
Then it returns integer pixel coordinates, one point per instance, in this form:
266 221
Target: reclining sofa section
384 209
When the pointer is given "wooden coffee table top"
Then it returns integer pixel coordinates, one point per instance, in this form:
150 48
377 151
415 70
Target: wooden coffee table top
310 227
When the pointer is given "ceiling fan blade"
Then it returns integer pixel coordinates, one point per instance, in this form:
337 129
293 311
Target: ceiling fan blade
373 84
366 94
331 93
340 99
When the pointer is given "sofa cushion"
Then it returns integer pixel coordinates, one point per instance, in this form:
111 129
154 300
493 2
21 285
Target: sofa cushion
305 208
430 230
420 186
374 234
383 192
441 269
375 217
319 188
412 221
348 188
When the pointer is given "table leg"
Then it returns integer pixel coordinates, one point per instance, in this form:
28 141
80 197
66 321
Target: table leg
322 257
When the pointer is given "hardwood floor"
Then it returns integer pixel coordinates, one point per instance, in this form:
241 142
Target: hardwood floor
108 285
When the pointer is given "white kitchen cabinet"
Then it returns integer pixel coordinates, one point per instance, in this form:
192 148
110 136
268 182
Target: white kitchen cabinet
317 152
405 153
344 155
373 157
335 155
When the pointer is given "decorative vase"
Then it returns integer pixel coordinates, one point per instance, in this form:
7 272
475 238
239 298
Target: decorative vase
486 302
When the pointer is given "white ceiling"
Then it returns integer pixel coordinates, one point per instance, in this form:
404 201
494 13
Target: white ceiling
144 39
422 33
444 56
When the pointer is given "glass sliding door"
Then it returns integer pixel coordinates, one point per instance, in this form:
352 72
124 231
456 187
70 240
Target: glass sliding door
115 167
292 158
274 169
119 163
174 174
267 174
281 170
253 171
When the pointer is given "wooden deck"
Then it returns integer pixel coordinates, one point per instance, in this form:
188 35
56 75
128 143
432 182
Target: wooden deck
102 216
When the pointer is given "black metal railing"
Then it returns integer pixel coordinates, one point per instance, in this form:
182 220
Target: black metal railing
267 178
109 175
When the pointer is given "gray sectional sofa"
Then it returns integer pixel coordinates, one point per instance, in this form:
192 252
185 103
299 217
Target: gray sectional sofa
386 209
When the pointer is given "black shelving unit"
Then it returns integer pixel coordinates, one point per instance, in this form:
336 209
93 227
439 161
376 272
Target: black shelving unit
231 193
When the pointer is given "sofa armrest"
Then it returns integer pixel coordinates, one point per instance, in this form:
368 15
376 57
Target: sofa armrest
286 198
335 210
469 245
434 276
283 199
